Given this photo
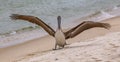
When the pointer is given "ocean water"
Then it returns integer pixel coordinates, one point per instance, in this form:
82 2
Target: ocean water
48 10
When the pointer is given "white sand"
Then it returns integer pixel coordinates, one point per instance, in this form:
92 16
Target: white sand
100 49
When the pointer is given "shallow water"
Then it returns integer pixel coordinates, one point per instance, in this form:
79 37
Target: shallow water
48 10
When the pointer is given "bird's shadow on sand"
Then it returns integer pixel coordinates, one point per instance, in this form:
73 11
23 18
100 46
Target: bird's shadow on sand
79 46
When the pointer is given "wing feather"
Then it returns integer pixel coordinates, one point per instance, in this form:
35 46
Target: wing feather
84 26
34 20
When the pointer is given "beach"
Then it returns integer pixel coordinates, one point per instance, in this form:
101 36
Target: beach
92 40
21 41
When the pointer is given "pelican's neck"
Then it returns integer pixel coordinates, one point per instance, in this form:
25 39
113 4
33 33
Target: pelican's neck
59 22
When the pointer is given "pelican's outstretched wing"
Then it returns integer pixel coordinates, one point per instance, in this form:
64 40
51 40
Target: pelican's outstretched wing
35 20
84 26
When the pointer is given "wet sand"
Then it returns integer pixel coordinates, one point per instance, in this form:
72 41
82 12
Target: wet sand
46 43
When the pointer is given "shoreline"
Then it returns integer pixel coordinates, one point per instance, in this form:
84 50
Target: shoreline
21 38
97 16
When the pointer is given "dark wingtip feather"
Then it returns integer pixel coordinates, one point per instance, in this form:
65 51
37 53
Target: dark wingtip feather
14 16
107 25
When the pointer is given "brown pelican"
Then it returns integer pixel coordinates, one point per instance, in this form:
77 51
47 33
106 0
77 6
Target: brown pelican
59 35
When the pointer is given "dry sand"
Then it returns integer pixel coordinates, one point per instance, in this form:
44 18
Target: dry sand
97 49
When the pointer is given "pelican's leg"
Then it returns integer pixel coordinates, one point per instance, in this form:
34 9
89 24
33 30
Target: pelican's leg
61 47
55 47
67 43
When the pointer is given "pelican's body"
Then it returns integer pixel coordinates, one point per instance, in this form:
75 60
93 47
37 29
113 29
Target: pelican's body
59 35
60 38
